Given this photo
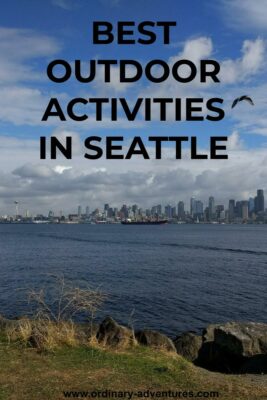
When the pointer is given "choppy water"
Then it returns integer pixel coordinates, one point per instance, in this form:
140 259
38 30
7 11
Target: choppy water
174 277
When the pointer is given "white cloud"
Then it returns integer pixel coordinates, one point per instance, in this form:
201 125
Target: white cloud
251 62
25 44
34 171
42 185
19 48
246 14
65 4
197 49
21 105
234 142
61 168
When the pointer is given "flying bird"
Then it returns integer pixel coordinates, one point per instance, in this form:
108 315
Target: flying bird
242 98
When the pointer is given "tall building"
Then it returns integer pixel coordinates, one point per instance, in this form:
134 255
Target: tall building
154 211
192 206
180 209
79 211
231 210
244 210
159 209
251 205
238 209
135 209
173 212
168 211
110 212
259 201
198 209
211 208
219 211
87 211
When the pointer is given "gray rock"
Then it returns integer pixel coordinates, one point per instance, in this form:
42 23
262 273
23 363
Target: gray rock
208 332
188 345
255 365
244 339
154 339
110 333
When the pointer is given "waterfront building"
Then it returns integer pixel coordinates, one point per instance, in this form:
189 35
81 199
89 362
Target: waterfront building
168 211
259 201
192 206
245 210
181 211
211 208
231 210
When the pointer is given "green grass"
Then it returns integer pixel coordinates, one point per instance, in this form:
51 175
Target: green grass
27 374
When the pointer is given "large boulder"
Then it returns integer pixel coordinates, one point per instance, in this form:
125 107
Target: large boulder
188 345
110 333
154 339
234 347
255 365
208 332
244 339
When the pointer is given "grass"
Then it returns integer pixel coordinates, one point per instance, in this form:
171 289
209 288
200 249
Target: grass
26 373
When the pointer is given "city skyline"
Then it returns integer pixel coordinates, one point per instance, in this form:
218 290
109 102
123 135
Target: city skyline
52 29
251 209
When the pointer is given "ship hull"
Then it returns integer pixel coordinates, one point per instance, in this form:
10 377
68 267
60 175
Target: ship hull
161 222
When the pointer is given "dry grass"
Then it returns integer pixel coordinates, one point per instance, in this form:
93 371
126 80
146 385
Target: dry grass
62 301
43 334
52 323
26 374
19 330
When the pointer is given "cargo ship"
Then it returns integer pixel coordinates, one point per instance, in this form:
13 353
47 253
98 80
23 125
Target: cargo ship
148 222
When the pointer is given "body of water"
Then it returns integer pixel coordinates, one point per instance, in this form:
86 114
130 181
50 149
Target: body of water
171 277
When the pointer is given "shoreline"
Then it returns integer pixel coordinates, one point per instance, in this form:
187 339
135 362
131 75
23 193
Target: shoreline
232 347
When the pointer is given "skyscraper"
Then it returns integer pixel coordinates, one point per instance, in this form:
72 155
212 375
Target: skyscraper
244 210
259 201
181 213
251 205
198 209
192 206
231 212
168 211
211 208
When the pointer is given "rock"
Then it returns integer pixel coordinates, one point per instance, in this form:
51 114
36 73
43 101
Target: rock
110 333
154 339
212 356
245 339
188 345
215 358
234 347
255 365
208 333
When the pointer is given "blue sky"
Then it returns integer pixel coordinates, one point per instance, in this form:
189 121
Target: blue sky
33 33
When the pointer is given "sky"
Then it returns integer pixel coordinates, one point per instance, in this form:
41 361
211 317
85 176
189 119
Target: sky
32 34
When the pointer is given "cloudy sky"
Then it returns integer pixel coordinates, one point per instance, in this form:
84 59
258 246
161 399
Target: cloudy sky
33 33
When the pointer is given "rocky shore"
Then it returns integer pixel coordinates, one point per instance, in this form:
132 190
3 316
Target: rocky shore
233 347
